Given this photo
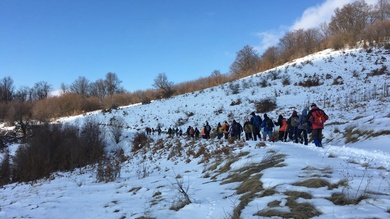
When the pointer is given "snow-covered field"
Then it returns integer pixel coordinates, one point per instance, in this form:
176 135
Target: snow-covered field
354 99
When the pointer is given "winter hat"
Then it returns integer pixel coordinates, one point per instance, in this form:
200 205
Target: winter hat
294 113
265 115
313 104
304 112
253 113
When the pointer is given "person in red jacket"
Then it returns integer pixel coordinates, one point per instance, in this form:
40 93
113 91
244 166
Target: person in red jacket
317 118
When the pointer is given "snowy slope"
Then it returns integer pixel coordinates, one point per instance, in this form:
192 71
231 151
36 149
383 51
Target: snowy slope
354 99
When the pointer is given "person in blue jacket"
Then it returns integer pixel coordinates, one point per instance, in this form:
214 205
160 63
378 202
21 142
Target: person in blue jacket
268 127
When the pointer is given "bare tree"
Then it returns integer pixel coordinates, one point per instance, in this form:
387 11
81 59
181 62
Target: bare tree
20 114
246 62
162 83
116 128
381 10
23 94
64 88
98 89
269 59
377 31
350 21
41 90
312 39
80 86
6 89
287 45
112 83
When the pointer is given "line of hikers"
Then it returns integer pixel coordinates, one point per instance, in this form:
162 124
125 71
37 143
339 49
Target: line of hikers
295 128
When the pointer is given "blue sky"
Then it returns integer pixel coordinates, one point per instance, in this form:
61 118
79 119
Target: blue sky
58 41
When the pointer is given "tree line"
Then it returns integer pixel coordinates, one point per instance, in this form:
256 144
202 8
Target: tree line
357 23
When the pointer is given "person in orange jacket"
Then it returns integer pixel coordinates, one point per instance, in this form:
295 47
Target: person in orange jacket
225 128
317 118
282 123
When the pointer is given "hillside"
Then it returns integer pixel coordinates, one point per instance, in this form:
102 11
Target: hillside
346 179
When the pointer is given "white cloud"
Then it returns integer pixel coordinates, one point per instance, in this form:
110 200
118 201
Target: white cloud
311 18
269 38
316 15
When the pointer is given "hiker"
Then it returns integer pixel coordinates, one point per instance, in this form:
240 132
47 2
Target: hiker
248 129
282 123
268 127
317 118
293 126
256 126
196 132
203 131
302 127
235 130
219 131
225 128
207 130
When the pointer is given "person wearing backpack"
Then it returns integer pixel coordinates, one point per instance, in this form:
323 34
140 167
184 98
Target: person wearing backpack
248 129
225 128
256 126
282 123
235 130
302 127
268 127
207 130
219 131
293 126
317 118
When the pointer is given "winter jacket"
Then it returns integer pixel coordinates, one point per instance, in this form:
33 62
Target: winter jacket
279 122
225 128
264 124
292 121
248 127
284 125
312 119
303 120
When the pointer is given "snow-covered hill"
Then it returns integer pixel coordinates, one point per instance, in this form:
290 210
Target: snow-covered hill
354 92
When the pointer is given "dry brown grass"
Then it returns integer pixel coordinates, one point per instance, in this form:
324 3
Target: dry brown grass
249 176
297 209
343 199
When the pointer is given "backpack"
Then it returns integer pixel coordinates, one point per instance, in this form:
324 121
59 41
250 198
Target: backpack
293 121
208 128
319 117
269 124
247 128
256 121
236 127
303 121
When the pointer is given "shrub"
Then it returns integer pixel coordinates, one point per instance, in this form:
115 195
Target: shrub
266 105
140 140
264 83
57 148
234 88
338 81
5 169
109 168
377 72
310 82
236 102
286 81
